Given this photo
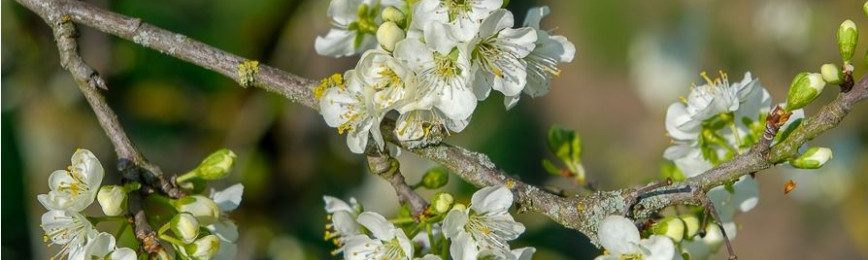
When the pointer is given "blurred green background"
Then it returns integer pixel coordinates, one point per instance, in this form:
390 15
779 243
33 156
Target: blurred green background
634 58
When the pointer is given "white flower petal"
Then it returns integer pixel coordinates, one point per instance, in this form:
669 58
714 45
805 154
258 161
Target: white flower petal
456 102
463 247
381 228
497 21
230 198
454 223
535 15
618 235
414 53
658 248
224 229
90 166
439 37
491 199
337 43
123 253
524 253
679 124
333 204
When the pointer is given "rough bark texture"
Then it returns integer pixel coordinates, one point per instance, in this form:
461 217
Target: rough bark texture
582 213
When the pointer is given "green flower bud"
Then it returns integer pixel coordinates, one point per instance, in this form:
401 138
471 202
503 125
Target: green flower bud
217 165
805 88
392 14
442 202
185 226
389 34
832 74
713 236
201 207
671 227
813 158
691 223
848 35
203 248
435 178
112 199
865 8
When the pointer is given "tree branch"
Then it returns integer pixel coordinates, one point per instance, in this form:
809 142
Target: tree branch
388 168
582 213
133 166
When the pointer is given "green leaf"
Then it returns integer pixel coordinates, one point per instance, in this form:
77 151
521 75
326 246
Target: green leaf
784 133
669 170
566 145
550 167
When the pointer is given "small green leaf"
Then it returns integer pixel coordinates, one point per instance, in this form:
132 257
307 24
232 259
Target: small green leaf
669 170
784 133
550 167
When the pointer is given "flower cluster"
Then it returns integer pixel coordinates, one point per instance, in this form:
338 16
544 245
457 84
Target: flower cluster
73 190
481 230
431 61
200 226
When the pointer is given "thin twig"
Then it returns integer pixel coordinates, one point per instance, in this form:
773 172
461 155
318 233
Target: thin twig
388 168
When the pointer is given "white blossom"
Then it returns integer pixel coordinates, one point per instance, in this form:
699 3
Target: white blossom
388 242
442 74
498 55
225 229
350 108
349 33
390 78
102 246
463 17
742 102
76 187
542 62
342 216
68 229
485 227
620 237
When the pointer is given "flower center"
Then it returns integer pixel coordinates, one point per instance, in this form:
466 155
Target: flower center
488 233
457 8
77 185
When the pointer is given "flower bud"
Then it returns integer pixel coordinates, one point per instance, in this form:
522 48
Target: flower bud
435 178
217 165
185 226
691 224
847 37
832 74
392 14
671 227
459 206
203 248
112 199
201 207
713 236
442 202
865 8
389 34
813 158
805 88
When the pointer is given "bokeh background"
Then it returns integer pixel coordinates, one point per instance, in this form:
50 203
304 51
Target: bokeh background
634 58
